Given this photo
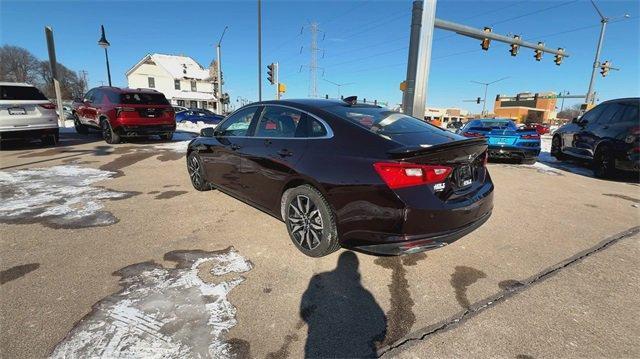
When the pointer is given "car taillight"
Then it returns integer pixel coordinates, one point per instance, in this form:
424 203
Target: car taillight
48 105
119 110
472 134
530 137
399 175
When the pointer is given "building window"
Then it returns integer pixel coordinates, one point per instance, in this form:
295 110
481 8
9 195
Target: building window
176 84
181 103
152 82
203 104
193 85
193 104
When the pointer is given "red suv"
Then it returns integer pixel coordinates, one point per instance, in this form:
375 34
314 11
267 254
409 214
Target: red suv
124 112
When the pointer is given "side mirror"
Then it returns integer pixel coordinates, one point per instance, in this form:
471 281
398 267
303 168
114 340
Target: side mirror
208 132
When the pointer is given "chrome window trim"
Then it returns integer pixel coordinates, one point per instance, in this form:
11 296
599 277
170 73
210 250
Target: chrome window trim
323 122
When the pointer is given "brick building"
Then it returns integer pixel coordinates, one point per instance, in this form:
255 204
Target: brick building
527 107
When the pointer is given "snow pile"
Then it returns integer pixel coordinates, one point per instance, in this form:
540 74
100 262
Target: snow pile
549 164
162 312
60 196
192 127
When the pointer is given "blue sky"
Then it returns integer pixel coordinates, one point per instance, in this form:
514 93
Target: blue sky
363 42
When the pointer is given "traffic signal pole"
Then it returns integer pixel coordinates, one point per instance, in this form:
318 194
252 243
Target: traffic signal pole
596 62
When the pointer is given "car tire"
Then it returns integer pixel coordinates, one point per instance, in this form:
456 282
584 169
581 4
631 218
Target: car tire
310 221
556 148
528 161
80 128
196 172
50 140
603 163
167 136
108 134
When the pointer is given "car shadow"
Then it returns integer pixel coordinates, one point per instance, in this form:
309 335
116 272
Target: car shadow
580 167
67 139
343 318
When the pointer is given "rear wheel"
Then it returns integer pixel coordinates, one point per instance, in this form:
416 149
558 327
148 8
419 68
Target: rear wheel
556 148
166 136
604 163
108 134
528 161
310 221
50 140
196 172
80 128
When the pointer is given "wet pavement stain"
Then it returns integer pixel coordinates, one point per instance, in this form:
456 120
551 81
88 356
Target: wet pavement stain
170 156
510 284
16 272
524 356
168 312
400 317
170 185
621 196
266 290
170 194
153 192
463 278
57 197
591 205
283 351
124 161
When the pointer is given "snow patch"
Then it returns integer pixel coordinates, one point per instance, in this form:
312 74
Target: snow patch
550 165
59 196
162 312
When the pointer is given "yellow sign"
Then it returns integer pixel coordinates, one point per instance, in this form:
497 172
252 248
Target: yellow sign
403 86
282 88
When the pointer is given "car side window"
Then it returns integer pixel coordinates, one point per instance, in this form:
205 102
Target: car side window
592 115
278 122
607 116
310 127
630 114
238 123
89 95
97 97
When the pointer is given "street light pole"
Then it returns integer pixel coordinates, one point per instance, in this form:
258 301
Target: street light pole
104 44
486 87
339 85
219 73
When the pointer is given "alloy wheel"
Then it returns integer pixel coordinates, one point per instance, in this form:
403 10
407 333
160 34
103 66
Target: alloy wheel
305 221
194 171
106 131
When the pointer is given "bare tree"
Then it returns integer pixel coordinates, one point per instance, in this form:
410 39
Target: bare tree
17 64
570 113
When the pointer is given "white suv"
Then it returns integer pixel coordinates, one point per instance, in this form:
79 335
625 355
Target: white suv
25 113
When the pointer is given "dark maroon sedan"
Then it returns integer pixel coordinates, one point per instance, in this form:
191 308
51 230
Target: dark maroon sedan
347 174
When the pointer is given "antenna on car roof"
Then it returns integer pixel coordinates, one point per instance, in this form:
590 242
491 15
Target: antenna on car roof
351 100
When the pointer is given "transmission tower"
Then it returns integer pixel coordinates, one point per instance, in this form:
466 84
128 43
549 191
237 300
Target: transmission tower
313 62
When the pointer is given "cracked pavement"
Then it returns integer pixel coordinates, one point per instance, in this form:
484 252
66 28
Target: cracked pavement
289 304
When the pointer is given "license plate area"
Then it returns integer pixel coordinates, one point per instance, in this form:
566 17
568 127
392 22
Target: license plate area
17 111
464 176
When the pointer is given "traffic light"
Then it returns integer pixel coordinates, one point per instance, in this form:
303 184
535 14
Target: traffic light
486 42
538 52
515 47
282 88
478 100
403 86
271 73
559 56
605 68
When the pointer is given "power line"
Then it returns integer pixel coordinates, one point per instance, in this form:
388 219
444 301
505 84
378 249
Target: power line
367 57
367 47
535 12
580 28
346 12
372 26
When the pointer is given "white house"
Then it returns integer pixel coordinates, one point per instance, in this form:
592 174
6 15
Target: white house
182 80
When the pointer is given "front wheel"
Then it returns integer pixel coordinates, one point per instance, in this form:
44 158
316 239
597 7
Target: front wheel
196 172
310 221
108 134
80 128
556 148
51 140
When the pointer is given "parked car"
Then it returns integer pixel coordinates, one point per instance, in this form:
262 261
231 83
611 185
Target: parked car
25 114
506 140
541 128
454 125
608 136
124 112
199 115
177 109
347 174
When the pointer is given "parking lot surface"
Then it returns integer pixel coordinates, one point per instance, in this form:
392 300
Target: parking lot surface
108 250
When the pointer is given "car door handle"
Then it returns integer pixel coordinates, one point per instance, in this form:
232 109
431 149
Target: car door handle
285 152
267 142
235 147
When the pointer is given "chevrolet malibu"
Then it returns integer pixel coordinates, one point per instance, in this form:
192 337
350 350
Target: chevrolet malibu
345 174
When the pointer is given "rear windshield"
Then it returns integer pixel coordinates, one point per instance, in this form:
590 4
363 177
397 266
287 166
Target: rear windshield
20 93
497 124
137 98
381 120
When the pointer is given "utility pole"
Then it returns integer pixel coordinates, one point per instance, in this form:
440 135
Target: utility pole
259 51
51 47
486 86
591 98
85 84
219 73
422 24
313 63
339 85
277 81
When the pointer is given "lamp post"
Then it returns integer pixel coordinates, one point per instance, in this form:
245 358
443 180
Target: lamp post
339 85
486 86
219 74
104 44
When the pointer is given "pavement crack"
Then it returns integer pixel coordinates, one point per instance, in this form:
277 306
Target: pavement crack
510 291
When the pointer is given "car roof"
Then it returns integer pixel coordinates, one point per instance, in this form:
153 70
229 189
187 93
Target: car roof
313 102
22 84
125 89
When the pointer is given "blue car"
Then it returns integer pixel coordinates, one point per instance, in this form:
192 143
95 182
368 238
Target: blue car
504 138
198 115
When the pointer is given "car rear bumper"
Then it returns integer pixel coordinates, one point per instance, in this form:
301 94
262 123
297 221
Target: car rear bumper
28 133
147 130
510 152
421 243
628 165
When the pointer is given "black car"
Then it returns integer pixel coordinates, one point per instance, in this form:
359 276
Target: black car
339 173
608 135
